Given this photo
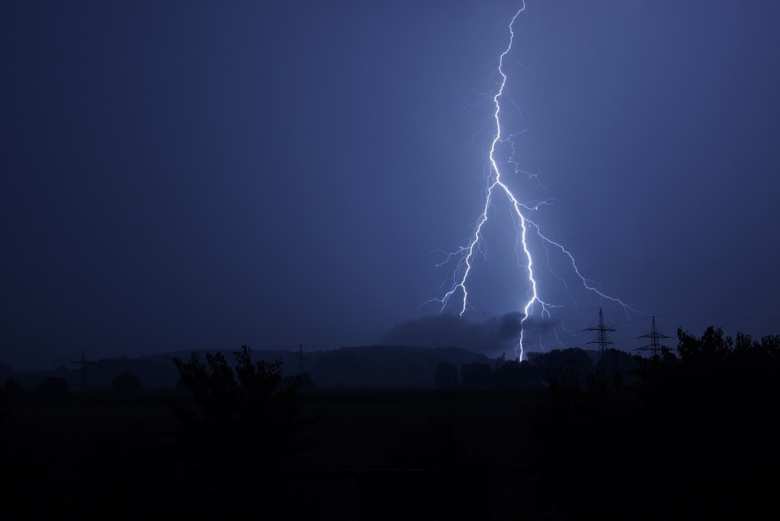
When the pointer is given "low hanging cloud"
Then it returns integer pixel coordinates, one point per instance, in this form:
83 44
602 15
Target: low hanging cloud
493 335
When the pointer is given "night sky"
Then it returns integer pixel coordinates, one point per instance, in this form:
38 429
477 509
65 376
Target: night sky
184 175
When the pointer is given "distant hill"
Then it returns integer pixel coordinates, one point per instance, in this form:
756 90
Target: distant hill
385 366
375 367
365 367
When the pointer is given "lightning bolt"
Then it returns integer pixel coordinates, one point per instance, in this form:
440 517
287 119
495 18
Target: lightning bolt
498 186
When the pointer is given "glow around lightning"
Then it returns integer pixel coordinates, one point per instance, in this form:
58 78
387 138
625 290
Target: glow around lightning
497 186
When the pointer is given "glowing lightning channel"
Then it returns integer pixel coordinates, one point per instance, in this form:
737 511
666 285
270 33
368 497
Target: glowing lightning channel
585 282
467 252
497 182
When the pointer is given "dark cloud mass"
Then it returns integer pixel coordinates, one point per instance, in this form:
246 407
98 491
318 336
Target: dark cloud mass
492 336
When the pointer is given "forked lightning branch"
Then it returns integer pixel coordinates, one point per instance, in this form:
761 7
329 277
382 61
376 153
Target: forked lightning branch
459 291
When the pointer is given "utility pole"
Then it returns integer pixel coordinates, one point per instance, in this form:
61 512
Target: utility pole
655 346
602 336
82 366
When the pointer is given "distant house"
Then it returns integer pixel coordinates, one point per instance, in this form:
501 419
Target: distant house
517 375
618 365
566 367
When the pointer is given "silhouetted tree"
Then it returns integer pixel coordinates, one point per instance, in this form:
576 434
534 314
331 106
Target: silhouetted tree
567 368
712 347
248 405
239 431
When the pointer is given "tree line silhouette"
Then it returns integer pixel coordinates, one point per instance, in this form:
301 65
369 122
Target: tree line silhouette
685 434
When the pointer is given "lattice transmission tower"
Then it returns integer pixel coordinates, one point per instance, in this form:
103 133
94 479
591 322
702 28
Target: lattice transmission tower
602 333
656 338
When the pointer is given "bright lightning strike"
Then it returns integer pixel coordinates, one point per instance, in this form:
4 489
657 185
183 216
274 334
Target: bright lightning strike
497 185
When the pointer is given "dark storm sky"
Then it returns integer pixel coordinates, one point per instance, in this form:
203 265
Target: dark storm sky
204 174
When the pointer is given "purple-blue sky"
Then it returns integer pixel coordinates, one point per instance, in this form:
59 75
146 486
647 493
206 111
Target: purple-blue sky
191 174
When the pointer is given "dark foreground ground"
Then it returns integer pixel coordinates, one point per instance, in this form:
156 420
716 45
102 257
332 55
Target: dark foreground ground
687 441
